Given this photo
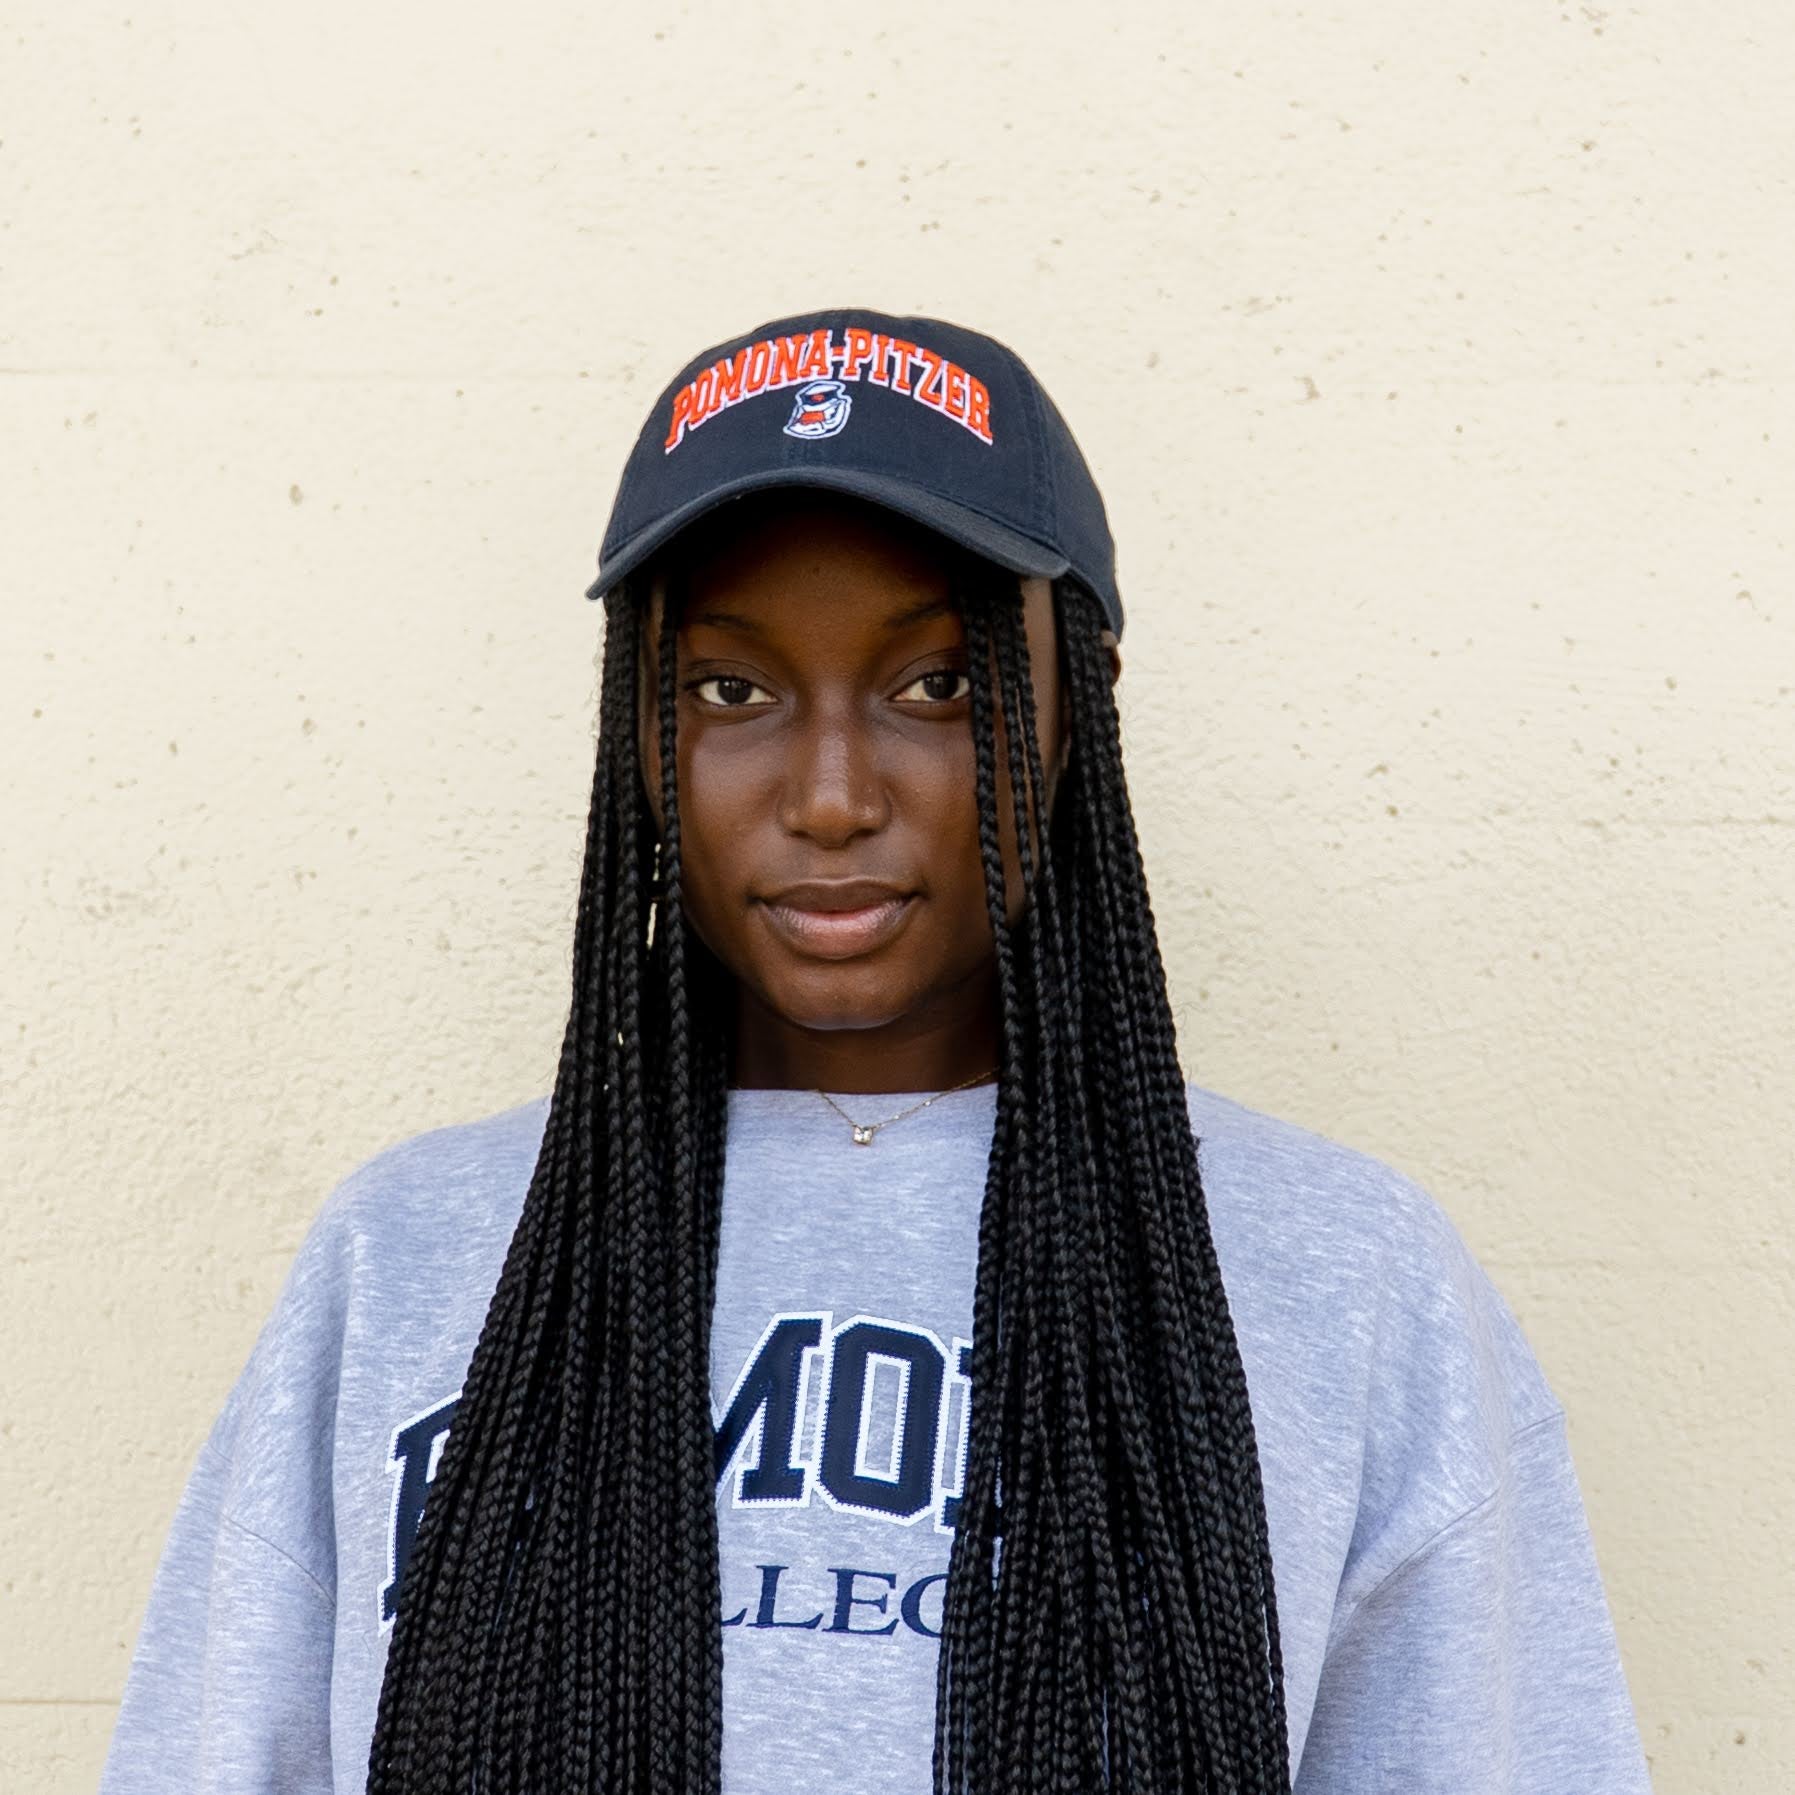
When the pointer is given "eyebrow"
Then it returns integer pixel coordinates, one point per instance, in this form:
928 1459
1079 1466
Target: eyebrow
728 620
916 613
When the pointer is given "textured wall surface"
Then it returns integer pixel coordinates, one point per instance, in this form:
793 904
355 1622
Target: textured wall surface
1436 364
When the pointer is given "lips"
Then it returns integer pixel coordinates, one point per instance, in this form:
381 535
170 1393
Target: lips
837 919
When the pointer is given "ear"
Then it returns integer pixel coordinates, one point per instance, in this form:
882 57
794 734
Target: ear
1113 649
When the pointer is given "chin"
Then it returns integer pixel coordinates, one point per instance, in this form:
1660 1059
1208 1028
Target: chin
841 996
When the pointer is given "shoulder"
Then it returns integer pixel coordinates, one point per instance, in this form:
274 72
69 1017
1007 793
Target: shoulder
1308 1184
448 1172
397 1265
1354 1290
435 1208
418 1231
1317 1200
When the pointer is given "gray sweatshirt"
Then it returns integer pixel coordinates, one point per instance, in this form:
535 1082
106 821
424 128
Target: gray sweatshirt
1443 1620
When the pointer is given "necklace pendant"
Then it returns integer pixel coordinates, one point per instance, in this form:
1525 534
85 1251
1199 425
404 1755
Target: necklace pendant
863 1136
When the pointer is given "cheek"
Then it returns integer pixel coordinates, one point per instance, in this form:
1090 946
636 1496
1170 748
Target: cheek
965 906
714 854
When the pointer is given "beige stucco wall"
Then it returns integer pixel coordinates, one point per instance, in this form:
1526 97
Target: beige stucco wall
1435 361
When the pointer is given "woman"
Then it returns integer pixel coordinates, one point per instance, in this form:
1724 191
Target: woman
873 1366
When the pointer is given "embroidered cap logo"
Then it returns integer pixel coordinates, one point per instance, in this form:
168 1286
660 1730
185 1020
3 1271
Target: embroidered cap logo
823 370
820 408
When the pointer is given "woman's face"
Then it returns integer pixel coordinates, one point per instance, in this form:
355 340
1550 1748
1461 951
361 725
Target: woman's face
828 814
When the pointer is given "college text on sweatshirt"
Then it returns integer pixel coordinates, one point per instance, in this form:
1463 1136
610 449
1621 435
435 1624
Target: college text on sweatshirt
866 1416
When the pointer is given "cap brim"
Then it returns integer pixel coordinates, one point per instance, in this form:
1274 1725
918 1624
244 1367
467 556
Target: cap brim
972 530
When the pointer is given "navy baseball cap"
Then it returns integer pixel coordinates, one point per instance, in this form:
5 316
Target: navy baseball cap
936 422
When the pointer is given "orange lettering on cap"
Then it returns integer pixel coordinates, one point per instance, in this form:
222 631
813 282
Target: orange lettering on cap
727 384
900 377
759 354
789 355
978 408
881 353
956 391
682 416
929 392
816 357
859 351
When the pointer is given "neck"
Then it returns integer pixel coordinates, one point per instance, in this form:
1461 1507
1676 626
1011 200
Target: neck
922 1051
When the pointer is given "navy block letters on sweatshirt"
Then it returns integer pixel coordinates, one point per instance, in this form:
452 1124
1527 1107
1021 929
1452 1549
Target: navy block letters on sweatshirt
416 1448
869 1416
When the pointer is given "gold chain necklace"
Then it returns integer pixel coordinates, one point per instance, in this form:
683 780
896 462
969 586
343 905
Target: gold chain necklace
864 1131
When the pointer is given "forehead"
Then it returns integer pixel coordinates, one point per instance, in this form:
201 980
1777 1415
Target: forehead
781 534
806 565
800 560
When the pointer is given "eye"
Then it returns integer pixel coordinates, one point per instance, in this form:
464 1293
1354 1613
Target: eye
942 686
728 691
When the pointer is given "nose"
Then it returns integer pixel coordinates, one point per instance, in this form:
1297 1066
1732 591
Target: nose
833 790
